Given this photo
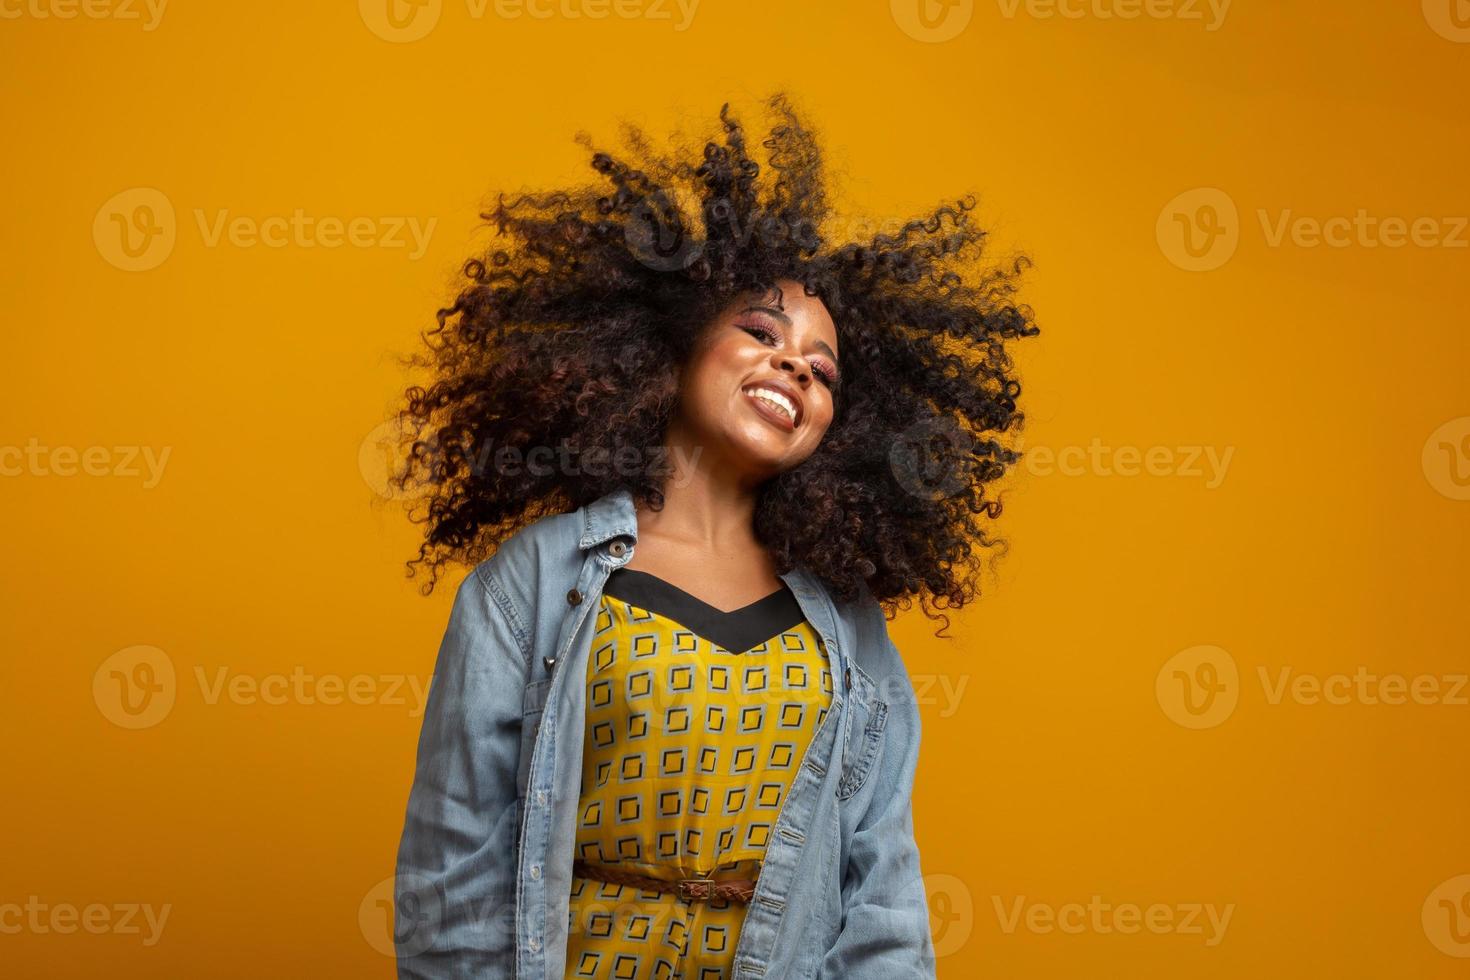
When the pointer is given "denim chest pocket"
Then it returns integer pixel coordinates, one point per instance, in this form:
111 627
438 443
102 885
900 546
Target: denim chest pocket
865 738
533 703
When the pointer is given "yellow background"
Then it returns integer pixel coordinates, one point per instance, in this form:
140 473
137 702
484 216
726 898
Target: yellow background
1334 540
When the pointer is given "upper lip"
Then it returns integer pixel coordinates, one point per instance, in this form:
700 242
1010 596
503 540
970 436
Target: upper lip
785 389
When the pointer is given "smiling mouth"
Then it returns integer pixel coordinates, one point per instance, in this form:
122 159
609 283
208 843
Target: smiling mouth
775 406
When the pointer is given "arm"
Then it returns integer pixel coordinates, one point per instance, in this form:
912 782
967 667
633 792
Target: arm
885 911
454 894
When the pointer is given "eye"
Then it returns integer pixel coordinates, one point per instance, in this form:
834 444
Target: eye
827 374
761 331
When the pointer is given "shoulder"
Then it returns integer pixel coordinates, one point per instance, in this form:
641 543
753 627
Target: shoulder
873 652
872 647
531 560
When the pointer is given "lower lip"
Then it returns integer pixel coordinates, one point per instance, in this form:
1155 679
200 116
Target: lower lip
772 413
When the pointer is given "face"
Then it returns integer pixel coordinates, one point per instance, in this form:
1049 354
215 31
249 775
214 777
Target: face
758 392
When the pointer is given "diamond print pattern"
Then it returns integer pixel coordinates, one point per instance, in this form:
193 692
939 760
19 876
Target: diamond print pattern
688 753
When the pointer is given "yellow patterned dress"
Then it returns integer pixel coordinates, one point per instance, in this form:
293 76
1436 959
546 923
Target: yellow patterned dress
697 720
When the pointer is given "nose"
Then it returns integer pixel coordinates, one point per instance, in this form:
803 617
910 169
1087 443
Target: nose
795 365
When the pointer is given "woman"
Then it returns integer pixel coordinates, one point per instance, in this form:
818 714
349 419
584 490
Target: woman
668 734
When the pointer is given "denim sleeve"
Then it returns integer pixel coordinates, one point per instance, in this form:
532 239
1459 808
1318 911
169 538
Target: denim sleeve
885 911
454 888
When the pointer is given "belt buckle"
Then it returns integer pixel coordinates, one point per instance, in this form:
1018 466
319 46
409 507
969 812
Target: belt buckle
696 888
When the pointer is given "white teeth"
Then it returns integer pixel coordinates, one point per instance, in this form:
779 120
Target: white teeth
777 399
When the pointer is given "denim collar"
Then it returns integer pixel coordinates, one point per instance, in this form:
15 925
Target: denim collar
609 516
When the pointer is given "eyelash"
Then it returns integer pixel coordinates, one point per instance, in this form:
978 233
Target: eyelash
826 374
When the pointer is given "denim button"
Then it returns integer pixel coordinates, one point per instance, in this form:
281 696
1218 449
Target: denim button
534 944
574 598
617 549
541 797
535 872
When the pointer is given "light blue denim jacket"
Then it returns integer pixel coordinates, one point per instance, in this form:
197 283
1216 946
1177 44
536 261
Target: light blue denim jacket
484 867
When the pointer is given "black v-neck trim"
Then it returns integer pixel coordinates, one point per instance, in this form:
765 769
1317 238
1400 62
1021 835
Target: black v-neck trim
737 630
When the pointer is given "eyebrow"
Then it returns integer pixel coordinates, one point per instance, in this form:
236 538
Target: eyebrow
781 315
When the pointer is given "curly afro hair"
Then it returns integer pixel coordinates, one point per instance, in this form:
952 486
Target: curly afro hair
568 333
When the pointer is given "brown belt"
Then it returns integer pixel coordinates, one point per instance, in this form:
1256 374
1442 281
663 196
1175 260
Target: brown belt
694 889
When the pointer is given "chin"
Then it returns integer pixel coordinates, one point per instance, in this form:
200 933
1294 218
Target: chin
764 457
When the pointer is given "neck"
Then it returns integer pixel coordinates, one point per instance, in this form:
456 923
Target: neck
709 503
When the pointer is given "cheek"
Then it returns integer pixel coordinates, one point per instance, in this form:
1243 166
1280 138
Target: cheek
721 360
718 372
706 388
821 415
